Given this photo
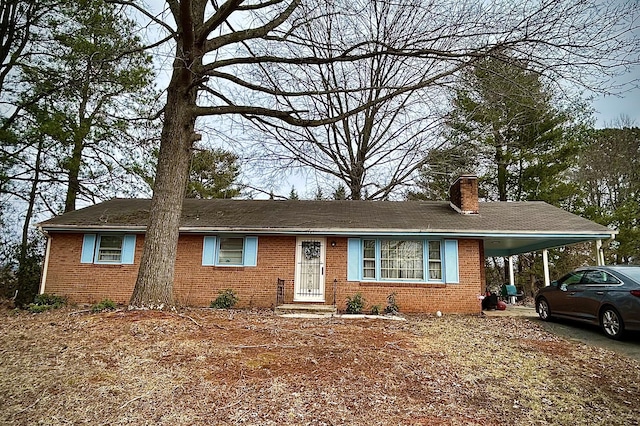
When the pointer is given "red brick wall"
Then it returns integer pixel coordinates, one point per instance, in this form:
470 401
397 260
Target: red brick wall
197 285
428 298
86 282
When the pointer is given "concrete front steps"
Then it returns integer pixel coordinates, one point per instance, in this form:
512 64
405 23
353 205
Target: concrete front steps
306 309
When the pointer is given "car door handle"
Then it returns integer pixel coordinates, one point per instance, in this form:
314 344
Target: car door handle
571 293
599 293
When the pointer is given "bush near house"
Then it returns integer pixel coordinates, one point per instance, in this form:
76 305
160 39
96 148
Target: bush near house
105 305
226 299
355 304
44 302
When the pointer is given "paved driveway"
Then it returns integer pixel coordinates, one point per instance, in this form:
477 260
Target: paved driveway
584 333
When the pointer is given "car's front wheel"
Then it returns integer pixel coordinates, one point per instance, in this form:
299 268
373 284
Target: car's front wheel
611 323
543 309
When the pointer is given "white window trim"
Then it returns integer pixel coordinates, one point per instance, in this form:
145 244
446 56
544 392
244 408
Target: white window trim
91 242
217 254
96 255
211 251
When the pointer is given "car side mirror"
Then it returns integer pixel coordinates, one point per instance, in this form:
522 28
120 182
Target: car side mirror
563 287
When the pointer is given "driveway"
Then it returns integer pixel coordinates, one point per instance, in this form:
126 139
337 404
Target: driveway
576 331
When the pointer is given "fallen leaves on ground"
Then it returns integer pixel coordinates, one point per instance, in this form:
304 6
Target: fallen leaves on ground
203 366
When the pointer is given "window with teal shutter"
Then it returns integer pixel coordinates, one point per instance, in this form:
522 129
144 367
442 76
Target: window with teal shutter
451 273
354 265
209 251
108 248
128 249
398 260
88 247
251 251
229 251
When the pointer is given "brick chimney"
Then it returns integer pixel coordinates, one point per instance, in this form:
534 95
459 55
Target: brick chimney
463 195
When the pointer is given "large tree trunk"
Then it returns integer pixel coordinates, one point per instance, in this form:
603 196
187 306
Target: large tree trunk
73 166
154 286
502 174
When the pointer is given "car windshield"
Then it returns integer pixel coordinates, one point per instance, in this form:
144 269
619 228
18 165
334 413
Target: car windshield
631 272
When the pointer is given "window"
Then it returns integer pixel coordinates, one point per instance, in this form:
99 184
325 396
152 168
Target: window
571 278
402 260
108 248
598 277
369 259
435 261
230 252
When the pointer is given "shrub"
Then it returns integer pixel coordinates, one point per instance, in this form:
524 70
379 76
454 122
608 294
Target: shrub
226 299
105 305
355 304
44 302
392 306
375 310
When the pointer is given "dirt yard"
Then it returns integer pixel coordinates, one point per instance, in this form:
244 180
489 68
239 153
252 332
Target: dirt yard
237 367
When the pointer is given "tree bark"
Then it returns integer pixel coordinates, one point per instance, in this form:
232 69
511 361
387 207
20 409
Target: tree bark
502 173
73 166
79 139
32 201
154 285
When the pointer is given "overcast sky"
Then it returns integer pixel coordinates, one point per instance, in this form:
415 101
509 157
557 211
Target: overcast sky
609 108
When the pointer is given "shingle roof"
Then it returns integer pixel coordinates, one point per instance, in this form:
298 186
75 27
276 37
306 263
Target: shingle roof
345 217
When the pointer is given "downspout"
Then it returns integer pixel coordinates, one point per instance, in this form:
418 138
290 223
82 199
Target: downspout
45 267
600 261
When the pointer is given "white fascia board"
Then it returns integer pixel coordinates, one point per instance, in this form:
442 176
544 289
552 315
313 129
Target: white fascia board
402 232
92 228
342 231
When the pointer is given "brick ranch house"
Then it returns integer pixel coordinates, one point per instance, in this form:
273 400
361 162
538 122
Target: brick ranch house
430 254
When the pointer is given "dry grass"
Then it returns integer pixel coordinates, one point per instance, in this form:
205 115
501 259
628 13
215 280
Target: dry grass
226 367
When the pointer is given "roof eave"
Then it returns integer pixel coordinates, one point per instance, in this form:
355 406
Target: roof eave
342 231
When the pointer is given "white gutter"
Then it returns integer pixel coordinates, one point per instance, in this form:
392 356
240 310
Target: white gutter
345 231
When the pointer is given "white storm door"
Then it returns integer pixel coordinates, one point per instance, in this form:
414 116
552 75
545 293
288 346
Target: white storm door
309 283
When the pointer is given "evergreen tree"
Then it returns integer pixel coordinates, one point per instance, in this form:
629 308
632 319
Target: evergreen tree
213 174
504 117
293 195
340 193
97 81
609 180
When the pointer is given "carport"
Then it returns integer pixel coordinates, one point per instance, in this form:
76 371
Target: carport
543 227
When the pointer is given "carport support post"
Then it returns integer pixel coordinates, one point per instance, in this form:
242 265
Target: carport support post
512 279
545 263
599 253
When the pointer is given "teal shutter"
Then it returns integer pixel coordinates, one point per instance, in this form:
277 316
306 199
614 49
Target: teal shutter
128 249
451 261
88 246
250 251
354 259
209 251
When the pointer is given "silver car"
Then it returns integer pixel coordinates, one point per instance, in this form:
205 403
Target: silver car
608 296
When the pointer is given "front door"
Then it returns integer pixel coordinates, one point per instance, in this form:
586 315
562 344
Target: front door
309 284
